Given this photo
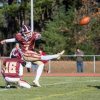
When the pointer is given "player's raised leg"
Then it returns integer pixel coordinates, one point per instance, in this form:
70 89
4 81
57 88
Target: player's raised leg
33 57
55 56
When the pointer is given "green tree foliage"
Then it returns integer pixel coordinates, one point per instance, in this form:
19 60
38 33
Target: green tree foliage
58 21
57 32
95 34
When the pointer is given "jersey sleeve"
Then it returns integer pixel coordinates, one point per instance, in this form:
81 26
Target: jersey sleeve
10 40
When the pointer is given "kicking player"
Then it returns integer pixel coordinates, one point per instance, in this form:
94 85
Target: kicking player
27 40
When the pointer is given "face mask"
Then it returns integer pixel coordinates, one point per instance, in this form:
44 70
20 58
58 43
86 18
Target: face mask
27 37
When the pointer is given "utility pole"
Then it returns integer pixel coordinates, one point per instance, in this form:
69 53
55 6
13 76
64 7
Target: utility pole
32 17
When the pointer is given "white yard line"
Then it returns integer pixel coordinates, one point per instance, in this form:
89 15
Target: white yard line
66 82
3 89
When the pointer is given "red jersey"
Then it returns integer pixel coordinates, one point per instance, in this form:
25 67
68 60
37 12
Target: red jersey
26 43
12 66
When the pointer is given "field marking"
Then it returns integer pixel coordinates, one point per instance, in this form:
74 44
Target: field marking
60 83
3 89
71 93
74 93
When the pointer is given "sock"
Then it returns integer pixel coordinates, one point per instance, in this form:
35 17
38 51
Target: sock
49 57
39 72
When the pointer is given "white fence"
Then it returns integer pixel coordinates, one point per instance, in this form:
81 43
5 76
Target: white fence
93 59
68 63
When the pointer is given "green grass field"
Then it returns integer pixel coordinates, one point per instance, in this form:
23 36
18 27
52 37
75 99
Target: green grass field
55 88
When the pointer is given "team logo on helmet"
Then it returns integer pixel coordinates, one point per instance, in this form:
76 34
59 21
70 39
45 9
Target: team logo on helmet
25 29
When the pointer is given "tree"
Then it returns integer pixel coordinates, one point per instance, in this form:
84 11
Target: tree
85 36
57 32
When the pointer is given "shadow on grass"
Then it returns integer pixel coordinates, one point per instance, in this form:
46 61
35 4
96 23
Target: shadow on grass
34 85
2 87
11 87
98 87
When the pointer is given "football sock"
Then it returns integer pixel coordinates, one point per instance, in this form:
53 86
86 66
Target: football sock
39 72
49 57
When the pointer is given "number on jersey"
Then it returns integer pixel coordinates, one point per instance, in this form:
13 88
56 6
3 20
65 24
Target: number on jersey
10 67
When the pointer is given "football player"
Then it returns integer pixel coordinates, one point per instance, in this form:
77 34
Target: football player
12 72
16 52
27 41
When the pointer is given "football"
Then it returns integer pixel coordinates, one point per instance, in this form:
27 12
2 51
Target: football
84 21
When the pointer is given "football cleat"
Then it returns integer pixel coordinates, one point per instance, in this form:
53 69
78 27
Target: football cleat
8 86
36 84
60 54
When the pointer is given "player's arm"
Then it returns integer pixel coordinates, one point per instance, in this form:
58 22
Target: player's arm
8 40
